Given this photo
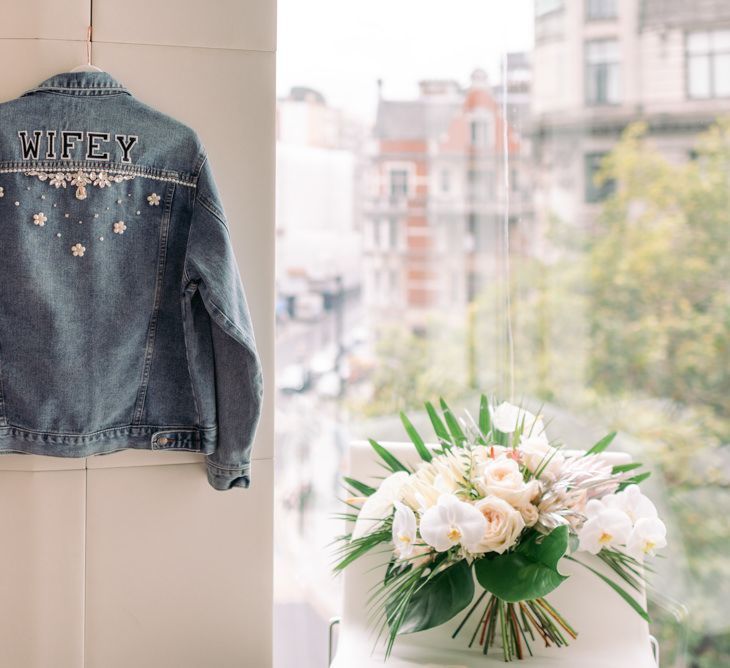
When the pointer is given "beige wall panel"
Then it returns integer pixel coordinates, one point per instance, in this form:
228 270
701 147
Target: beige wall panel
228 97
222 24
178 574
40 59
31 19
42 569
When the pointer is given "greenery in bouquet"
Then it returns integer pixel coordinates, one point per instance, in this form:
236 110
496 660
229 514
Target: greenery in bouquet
496 502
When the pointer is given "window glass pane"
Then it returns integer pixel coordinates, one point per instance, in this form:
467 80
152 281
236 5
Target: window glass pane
721 40
618 290
601 9
698 42
699 76
721 71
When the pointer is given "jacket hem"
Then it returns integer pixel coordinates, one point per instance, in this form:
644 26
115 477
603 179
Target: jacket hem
228 478
140 437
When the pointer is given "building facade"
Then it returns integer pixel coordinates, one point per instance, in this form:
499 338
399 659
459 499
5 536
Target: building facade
439 200
598 65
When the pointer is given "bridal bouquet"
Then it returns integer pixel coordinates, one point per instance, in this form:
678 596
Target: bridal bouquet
495 501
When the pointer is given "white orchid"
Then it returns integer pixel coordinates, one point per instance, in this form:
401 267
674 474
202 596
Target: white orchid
633 502
649 534
404 530
379 504
606 527
452 522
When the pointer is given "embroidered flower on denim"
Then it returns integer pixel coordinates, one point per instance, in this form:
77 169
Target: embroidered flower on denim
119 227
2 192
58 180
80 179
102 179
39 219
78 250
154 199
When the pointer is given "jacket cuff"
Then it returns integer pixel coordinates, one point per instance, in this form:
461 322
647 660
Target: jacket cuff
223 478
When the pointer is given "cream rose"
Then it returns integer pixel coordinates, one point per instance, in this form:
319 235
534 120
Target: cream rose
502 477
504 525
530 514
539 456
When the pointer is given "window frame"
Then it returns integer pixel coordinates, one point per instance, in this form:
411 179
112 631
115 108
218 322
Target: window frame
589 67
711 56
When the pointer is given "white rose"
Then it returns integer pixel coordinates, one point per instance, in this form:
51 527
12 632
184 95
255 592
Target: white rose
502 477
530 514
539 456
507 418
483 455
504 525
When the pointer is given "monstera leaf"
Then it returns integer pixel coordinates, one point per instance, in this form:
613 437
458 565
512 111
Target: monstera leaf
447 594
530 571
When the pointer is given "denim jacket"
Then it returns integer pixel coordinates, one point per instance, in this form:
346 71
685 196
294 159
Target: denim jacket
123 319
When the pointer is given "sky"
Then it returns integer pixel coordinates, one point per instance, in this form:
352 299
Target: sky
341 47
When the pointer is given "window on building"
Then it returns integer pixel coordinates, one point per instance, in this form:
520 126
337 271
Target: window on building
602 71
479 132
393 233
543 7
445 180
594 192
597 10
398 182
481 183
708 64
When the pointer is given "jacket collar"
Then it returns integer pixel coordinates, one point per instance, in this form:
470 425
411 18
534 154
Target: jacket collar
81 83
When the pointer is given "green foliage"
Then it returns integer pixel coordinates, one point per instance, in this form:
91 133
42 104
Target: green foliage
438 598
529 571
391 461
423 452
659 292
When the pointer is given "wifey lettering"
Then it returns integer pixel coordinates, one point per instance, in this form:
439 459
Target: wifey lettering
75 145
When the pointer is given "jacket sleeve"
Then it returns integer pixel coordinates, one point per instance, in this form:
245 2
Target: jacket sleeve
211 264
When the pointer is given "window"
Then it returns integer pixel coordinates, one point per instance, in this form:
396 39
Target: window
479 133
594 192
481 183
597 10
708 64
393 233
543 7
398 182
602 72
445 180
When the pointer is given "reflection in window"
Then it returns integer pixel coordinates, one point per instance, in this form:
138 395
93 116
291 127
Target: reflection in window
602 71
601 9
708 64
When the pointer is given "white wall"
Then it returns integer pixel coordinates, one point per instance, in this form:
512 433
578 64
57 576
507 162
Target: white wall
132 559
